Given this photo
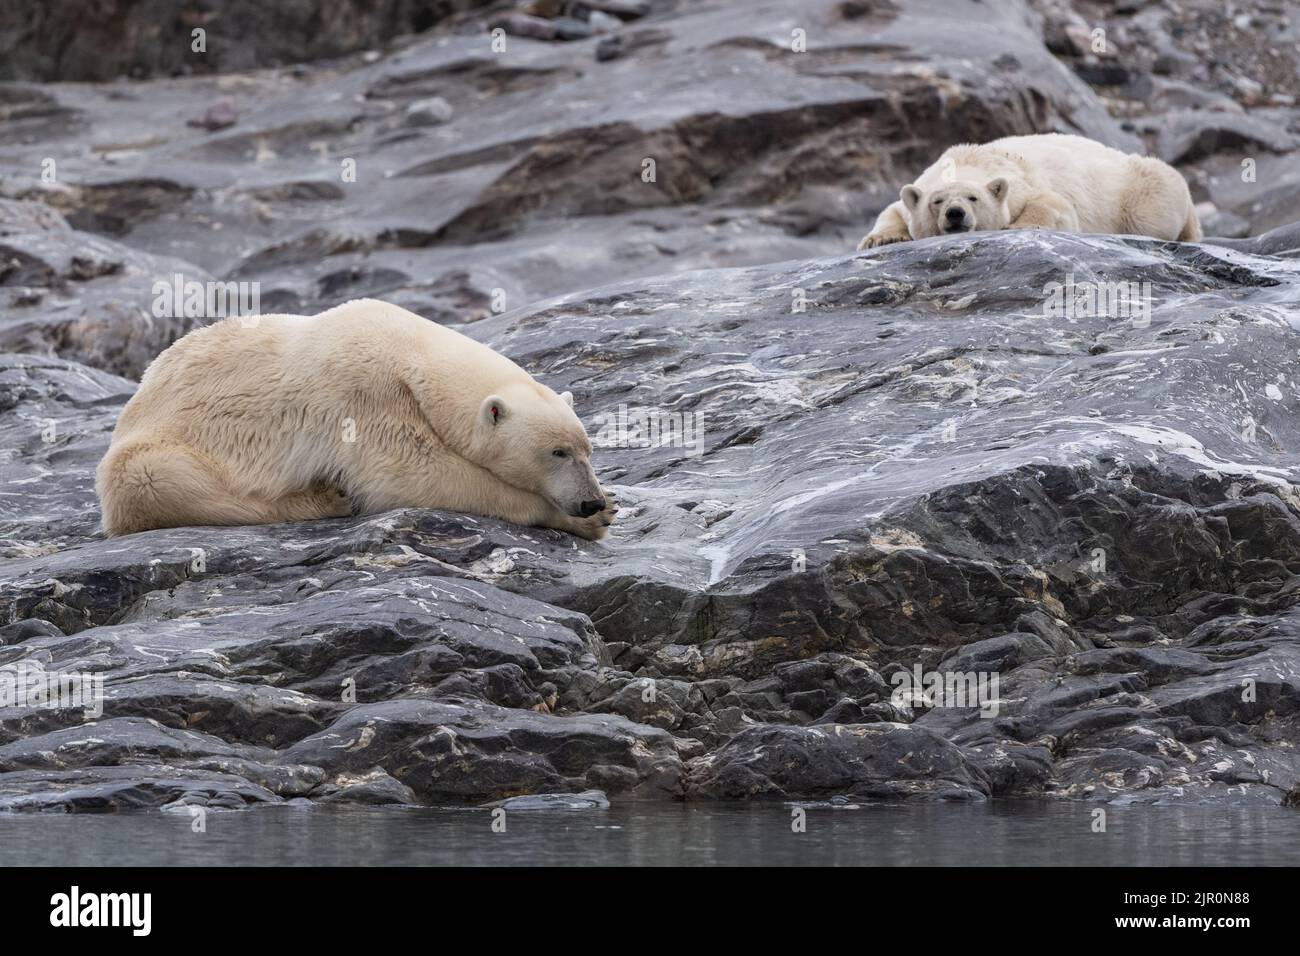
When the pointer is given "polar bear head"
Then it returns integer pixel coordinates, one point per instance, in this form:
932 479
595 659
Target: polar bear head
529 437
958 206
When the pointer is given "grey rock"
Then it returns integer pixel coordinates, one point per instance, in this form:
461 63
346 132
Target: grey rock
375 788
905 461
153 38
570 28
856 760
587 800
624 9
461 750
429 112
1120 557
1216 222
601 22
1188 135
523 25
610 48
521 187
220 115
133 787
81 296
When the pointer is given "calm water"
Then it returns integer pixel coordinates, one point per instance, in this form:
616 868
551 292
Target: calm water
649 835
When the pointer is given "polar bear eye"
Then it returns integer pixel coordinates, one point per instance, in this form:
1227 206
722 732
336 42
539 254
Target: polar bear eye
972 198
560 453
938 202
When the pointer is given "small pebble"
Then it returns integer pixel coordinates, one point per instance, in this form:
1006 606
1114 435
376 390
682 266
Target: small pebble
609 48
219 115
429 112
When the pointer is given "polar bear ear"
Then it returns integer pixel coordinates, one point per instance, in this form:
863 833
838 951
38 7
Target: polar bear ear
997 189
492 411
568 398
910 196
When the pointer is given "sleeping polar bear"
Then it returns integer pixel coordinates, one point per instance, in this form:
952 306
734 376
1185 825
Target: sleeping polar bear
360 409
1052 181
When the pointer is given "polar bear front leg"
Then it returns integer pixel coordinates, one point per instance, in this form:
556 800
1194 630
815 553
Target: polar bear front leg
451 483
1046 210
890 227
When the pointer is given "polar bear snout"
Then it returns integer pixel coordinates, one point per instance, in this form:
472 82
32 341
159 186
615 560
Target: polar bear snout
570 481
955 219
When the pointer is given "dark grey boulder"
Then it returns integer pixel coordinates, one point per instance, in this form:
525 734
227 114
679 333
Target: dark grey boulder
856 760
460 750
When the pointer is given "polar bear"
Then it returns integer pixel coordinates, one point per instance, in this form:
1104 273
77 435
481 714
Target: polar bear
360 409
1050 181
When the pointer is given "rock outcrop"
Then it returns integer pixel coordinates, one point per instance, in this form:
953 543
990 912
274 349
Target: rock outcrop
905 463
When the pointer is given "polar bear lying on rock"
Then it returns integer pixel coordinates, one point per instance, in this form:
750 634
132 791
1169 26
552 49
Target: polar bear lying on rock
359 409
1052 181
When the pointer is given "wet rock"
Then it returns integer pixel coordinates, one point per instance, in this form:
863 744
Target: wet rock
452 751
220 115
82 296
863 465
603 23
587 800
429 112
80 41
609 48
523 25
1188 135
517 190
856 760
134 787
56 419
1121 559
375 788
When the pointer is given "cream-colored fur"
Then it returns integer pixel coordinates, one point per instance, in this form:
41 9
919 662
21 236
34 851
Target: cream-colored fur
359 409
1052 181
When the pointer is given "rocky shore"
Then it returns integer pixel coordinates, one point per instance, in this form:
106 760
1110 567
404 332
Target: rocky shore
886 463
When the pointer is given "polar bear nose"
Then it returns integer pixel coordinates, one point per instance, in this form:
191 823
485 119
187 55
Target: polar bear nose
955 214
590 508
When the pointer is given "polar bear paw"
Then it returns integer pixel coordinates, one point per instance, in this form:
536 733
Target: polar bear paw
597 526
882 238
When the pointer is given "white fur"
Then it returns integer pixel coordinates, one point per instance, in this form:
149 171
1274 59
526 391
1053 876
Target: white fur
1051 181
362 408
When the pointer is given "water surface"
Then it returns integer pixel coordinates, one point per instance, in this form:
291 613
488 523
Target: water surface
652 834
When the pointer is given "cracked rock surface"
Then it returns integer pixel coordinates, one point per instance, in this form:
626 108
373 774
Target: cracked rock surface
914 468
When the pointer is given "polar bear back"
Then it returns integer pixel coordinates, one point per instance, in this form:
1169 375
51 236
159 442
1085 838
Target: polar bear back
1094 178
333 353
270 393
